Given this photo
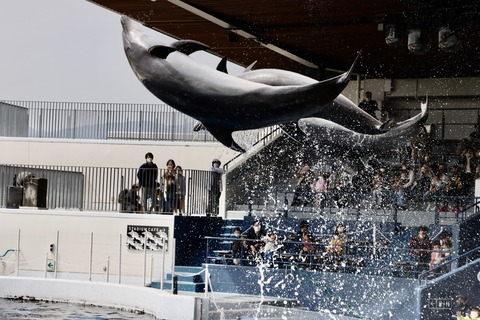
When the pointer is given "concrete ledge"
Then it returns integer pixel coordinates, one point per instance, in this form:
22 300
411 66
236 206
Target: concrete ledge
160 304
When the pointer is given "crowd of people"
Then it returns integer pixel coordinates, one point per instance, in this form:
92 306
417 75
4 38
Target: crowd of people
163 191
418 182
255 245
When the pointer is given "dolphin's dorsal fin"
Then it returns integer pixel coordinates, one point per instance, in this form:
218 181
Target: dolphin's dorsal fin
222 65
189 46
250 67
161 52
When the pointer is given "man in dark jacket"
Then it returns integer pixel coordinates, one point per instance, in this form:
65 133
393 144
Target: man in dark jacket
147 177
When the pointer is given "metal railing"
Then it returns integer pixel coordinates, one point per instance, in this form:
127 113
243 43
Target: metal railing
283 202
98 188
105 121
355 256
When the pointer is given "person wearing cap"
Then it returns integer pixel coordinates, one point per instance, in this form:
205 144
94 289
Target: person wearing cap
214 187
147 177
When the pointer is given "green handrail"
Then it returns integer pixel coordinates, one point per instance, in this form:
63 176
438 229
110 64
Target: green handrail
6 252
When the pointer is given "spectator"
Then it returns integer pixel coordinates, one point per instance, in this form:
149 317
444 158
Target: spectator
255 239
336 246
180 188
214 187
420 246
462 308
436 190
475 137
436 257
342 233
470 169
169 193
147 176
368 105
379 189
270 248
303 188
398 194
169 172
454 189
132 200
237 247
321 187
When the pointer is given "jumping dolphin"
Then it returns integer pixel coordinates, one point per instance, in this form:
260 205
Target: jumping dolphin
223 103
324 132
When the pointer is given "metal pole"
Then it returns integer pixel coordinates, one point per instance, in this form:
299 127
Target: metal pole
18 253
55 253
151 268
207 277
145 262
108 268
163 264
173 263
374 239
91 257
46 262
120 261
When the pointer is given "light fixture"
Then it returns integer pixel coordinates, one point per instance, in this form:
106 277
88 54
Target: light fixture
447 39
392 38
417 42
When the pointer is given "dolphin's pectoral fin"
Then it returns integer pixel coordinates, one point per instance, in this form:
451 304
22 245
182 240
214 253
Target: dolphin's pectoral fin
250 67
224 136
161 52
384 126
222 65
189 46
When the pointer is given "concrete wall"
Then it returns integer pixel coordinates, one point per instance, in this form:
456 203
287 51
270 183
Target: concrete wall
152 301
129 154
33 231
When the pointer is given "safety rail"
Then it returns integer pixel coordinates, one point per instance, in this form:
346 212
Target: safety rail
282 202
7 252
451 264
98 188
357 256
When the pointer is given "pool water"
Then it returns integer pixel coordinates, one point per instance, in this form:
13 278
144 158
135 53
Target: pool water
20 309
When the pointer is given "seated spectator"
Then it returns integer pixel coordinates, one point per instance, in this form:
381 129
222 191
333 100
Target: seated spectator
454 189
462 309
398 194
237 247
270 248
436 257
436 190
336 246
422 184
420 246
470 169
379 189
342 233
474 314
254 239
133 200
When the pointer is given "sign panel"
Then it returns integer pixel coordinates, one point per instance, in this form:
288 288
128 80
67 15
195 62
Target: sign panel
150 236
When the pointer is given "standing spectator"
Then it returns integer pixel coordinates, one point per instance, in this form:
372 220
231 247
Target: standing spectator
420 246
214 187
167 174
475 137
436 190
169 193
368 105
321 187
398 194
303 189
180 187
147 176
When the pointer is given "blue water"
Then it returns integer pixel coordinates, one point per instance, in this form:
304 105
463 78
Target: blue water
16 309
